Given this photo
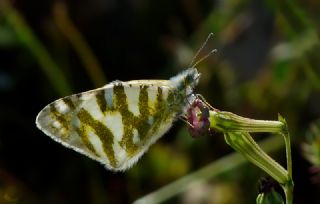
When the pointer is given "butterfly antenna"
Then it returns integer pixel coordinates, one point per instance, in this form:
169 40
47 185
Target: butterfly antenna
199 50
199 96
203 58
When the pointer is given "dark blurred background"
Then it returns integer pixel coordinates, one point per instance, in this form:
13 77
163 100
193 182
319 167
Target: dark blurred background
267 63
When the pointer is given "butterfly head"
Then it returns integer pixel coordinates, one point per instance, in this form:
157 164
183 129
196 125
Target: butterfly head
186 80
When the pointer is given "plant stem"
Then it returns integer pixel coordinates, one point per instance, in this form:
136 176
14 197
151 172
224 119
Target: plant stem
288 191
216 168
288 187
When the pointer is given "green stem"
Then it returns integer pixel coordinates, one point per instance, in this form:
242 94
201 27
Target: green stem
288 191
288 187
288 153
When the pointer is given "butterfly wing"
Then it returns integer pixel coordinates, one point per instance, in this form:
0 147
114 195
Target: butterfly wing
114 124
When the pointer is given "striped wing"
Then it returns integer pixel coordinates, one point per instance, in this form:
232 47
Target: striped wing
114 124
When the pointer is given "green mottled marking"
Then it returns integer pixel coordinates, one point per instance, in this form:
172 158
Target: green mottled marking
159 111
101 100
101 131
59 117
142 123
130 122
159 96
162 111
127 119
143 101
171 100
175 99
84 137
69 103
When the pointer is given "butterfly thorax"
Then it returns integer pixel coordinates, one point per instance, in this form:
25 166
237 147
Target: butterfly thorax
183 93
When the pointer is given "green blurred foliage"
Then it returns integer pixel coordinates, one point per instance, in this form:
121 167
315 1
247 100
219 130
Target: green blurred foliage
267 63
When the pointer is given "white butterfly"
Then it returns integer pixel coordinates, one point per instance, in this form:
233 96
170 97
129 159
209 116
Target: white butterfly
116 124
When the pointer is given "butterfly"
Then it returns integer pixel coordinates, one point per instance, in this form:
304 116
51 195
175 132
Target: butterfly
117 123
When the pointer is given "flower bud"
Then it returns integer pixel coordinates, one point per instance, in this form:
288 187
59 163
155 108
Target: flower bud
230 122
198 118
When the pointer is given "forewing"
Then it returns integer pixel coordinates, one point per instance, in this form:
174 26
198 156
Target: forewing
114 125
